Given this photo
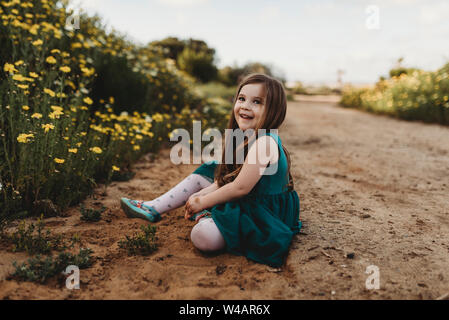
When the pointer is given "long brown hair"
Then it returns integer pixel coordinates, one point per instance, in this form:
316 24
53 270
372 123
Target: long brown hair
272 118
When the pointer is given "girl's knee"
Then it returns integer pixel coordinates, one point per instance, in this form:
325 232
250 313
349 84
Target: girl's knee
206 236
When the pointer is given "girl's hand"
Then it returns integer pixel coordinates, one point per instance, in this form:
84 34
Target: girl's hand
193 205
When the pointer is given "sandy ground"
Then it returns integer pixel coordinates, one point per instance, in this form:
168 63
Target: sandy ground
373 190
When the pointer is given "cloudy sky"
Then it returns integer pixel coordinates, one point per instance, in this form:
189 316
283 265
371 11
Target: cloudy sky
307 40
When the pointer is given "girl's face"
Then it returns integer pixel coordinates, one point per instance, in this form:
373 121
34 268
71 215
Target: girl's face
250 105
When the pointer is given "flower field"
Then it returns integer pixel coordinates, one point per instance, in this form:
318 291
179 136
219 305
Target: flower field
78 107
419 95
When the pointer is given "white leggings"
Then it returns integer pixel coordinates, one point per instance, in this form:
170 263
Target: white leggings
206 236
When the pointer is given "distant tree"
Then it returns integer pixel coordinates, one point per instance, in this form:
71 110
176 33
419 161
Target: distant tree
171 46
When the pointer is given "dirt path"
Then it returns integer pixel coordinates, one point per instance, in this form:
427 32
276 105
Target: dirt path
373 190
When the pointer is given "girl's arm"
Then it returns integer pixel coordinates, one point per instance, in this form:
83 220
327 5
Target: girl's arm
264 150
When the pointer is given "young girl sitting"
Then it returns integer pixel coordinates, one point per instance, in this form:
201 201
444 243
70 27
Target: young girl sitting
239 207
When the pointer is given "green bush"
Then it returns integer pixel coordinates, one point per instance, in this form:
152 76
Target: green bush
39 269
141 243
418 95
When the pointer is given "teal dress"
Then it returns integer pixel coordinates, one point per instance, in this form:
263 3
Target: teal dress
261 224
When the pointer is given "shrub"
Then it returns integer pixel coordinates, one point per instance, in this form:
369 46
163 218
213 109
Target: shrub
141 243
39 269
91 215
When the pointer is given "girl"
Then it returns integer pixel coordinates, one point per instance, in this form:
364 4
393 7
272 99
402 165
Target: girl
237 207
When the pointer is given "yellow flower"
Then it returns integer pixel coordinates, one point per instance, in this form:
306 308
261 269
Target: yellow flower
37 43
56 108
73 150
18 77
96 150
23 137
55 51
36 116
51 93
26 108
65 69
111 100
50 60
88 72
136 147
34 75
23 86
19 63
47 127
59 160
88 100
115 168
9 68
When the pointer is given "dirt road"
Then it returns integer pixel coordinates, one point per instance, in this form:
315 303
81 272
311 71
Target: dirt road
374 191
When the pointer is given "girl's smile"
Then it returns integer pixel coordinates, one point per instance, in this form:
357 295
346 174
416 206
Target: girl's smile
250 105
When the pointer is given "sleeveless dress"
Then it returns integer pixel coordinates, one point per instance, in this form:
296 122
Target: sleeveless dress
261 224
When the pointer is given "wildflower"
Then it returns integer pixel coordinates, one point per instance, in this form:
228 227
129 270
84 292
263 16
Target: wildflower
136 148
115 168
96 150
57 160
23 137
111 100
50 60
37 43
26 108
19 63
56 108
36 116
18 77
65 69
23 86
9 68
51 93
34 75
55 51
47 127
88 100
73 150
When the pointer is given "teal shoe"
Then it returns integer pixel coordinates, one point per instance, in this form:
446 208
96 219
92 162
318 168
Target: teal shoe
136 209
197 216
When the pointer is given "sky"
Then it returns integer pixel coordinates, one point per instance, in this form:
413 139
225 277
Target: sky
305 41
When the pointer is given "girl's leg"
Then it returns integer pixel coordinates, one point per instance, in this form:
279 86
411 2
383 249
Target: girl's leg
178 195
206 236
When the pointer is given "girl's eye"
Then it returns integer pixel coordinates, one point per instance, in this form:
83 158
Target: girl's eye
258 102
241 98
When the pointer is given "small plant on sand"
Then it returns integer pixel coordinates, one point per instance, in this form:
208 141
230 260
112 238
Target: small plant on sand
39 269
35 240
91 215
141 243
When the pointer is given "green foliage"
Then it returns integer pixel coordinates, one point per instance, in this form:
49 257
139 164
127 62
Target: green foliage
198 64
231 76
397 72
419 95
92 215
39 269
34 239
143 243
74 105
